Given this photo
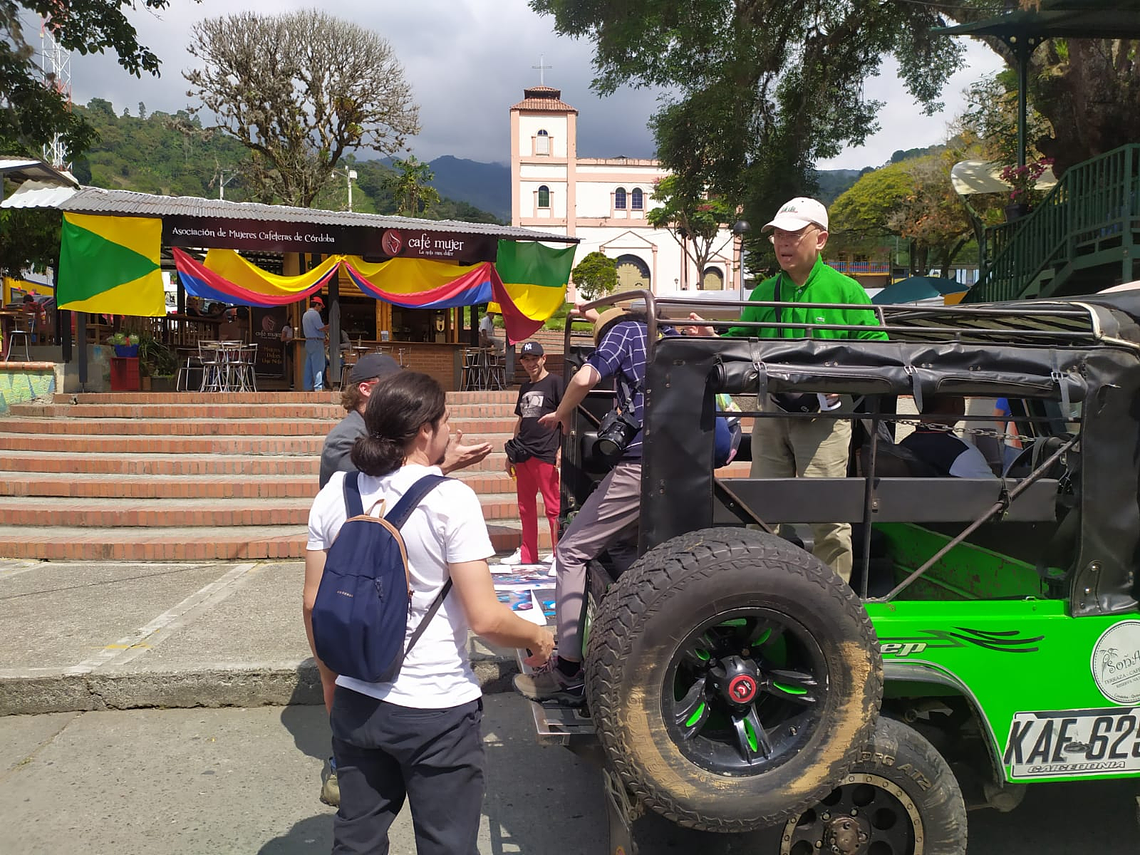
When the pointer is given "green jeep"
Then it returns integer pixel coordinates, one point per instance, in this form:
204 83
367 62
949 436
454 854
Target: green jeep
735 682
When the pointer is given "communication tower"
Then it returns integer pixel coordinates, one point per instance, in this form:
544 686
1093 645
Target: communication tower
55 66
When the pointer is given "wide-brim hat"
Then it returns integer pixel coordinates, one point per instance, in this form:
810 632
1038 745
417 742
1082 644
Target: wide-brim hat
798 213
606 320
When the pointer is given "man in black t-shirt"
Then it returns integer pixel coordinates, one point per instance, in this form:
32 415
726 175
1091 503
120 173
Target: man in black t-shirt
535 452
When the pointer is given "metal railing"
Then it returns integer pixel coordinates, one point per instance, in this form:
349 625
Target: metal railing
1090 217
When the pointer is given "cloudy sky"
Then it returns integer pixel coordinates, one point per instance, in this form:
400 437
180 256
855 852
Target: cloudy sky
468 61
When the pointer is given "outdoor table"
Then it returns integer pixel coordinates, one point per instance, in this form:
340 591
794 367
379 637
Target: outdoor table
221 369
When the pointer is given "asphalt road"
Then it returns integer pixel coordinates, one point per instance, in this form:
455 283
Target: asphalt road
214 781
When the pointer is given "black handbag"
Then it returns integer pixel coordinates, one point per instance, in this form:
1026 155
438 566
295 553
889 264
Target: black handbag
791 402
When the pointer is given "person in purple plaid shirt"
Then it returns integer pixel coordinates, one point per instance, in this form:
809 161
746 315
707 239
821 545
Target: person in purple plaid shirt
610 515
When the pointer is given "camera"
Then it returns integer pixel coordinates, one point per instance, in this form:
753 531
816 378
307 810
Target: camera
616 431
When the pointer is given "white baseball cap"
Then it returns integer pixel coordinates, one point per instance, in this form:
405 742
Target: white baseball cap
797 214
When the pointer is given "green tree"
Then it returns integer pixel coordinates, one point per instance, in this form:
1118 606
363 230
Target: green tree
1087 91
693 218
763 89
34 113
990 118
300 91
911 200
595 275
411 187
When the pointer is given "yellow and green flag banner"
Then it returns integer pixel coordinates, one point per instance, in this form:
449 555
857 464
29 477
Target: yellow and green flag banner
111 264
535 276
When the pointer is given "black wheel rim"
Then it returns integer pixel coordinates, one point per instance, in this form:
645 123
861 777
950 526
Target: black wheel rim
744 691
866 815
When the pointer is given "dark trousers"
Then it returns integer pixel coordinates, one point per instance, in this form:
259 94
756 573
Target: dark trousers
385 753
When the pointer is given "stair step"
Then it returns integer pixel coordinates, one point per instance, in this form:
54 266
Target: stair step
272 426
510 395
171 508
159 464
186 544
132 445
150 412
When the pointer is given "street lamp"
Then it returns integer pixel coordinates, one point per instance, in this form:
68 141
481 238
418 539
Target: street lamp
349 174
740 228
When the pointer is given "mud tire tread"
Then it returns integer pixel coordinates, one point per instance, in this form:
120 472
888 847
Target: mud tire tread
668 570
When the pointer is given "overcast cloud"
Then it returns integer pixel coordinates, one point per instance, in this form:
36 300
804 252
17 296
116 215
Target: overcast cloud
468 61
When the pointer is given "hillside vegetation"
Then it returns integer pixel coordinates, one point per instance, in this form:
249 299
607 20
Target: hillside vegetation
172 154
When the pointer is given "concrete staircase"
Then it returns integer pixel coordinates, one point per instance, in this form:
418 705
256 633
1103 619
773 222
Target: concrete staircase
197 477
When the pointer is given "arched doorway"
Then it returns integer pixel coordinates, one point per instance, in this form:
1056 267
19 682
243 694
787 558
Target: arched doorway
632 272
713 279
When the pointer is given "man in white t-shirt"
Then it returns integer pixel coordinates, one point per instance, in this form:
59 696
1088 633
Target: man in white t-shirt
417 736
487 337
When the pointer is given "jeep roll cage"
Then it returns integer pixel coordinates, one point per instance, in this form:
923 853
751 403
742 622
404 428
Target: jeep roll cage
1054 357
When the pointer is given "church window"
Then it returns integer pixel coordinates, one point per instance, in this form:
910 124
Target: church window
544 196
619 199
542 143
636 199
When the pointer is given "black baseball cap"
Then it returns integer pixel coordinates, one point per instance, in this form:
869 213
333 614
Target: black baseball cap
372 365
531 348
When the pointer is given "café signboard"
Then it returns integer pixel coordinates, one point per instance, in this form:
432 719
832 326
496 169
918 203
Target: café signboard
374 244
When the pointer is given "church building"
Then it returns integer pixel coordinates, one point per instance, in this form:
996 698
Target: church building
602 201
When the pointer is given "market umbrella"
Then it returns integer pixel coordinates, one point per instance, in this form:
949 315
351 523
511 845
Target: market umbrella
917 288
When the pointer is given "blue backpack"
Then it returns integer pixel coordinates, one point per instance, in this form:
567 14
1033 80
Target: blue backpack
361 612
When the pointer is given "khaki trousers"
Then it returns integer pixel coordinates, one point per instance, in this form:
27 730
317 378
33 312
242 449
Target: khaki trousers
808 448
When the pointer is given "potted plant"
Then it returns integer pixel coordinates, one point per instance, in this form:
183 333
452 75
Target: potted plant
157 365
1023 182
125 345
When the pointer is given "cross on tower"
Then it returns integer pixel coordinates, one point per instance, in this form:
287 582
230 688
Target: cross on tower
542 67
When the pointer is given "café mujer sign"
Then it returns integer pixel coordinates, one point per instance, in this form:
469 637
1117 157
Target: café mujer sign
369 243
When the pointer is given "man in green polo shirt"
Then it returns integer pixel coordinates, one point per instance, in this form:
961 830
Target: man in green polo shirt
800 447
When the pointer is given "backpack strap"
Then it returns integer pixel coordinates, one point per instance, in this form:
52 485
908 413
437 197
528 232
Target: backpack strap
415 494
397 517
353 504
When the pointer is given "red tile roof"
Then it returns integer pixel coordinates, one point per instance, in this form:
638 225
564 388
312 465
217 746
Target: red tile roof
544 98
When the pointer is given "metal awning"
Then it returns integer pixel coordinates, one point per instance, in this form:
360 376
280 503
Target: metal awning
1071 19
23 169
127 203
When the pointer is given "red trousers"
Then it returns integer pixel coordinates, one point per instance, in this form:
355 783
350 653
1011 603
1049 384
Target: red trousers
533 476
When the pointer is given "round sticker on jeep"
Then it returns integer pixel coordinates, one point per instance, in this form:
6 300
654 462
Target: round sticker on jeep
1116 662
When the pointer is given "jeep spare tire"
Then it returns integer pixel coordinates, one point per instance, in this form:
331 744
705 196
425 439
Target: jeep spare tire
733 679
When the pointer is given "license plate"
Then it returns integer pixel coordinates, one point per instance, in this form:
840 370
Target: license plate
1073 743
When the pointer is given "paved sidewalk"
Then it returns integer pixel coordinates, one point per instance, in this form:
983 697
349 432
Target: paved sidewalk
120 636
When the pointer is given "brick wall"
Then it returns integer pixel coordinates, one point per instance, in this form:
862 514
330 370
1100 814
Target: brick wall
440 361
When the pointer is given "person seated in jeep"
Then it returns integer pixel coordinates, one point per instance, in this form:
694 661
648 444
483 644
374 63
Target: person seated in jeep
935 444
802 447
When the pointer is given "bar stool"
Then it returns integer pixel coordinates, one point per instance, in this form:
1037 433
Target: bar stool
470 366
245 367
23 325
496 371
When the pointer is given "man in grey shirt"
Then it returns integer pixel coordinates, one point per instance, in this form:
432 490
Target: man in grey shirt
370 369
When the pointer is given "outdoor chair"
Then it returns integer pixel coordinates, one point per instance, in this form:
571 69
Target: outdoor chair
23 326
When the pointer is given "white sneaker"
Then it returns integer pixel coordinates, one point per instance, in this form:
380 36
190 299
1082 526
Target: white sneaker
546 559
514 558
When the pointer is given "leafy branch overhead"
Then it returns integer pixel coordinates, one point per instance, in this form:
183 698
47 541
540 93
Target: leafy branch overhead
762 89
32 113
300 90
